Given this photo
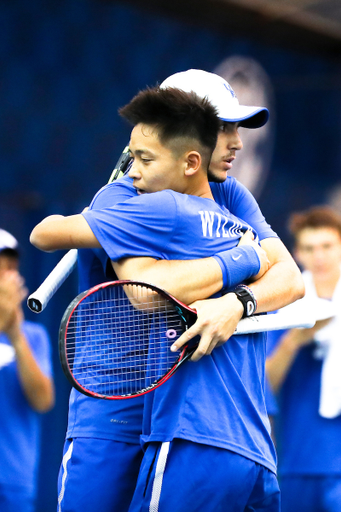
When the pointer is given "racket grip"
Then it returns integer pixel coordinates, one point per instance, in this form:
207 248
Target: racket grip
39 299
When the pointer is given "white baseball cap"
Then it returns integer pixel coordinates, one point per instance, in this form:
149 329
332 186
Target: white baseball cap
7 241
220 94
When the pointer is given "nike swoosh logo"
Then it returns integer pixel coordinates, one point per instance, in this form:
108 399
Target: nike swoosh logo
236 258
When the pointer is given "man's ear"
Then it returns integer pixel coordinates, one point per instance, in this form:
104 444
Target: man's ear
193 163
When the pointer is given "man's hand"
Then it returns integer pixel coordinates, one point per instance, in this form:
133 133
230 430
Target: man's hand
37 387
280 361
248 239
217 321
12 293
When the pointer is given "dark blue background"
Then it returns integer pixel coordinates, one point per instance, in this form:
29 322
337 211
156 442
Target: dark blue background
66 66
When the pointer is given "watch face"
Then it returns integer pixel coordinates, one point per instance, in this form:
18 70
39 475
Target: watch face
250 308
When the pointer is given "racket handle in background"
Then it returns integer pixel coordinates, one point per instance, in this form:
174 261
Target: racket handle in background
39 299
276 322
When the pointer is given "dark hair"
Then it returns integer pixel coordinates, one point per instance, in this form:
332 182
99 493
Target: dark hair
11 253
176 115
316 217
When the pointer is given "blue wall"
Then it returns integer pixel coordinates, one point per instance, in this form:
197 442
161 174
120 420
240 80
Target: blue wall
66 67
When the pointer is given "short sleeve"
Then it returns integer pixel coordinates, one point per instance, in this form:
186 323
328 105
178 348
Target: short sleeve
113 193
241 203
140 226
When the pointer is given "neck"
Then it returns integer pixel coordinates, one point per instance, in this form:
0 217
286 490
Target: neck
199 186
325 283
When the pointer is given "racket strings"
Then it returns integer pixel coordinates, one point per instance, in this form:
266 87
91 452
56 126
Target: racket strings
118 340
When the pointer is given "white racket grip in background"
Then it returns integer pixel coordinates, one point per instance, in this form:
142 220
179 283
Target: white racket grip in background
39 299
277 321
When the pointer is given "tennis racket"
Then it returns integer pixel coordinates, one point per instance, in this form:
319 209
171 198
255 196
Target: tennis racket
39 299
115 339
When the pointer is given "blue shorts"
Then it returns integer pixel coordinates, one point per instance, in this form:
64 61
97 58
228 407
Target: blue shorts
306 493
183 476
97 474
16 500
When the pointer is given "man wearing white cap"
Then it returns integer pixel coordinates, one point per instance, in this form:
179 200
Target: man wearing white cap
112 430
25 383
223 98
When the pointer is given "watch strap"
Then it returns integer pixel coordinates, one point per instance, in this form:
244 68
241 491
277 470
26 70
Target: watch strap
246 297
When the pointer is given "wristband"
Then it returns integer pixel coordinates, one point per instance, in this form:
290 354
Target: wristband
237 265
247 298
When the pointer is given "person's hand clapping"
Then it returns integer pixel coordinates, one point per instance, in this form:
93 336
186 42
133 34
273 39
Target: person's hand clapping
12 293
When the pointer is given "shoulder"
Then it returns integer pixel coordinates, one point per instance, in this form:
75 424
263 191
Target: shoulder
229 184
114 192
140 209
234 186
163 197
229 191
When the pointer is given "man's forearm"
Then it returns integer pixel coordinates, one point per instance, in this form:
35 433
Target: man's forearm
188 280
280 361
58 232
282 284
37 387
193 280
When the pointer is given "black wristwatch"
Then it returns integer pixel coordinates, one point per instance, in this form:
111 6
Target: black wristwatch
246 297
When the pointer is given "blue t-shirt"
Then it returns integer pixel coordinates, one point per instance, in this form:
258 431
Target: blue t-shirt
122 420
91 417
308 444
157 224
220 400
20 425
270 399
